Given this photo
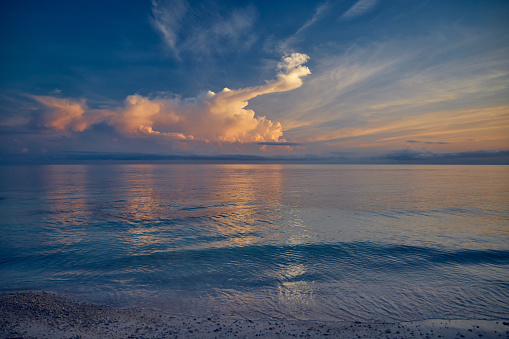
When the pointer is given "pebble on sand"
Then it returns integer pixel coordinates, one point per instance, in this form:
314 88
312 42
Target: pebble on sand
41 314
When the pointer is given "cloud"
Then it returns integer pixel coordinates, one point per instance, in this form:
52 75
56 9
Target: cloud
202 30
318 14
285 45
168 19
409 154
210 117
480 157
429 157
428 142
279 143
361 7
377 96
65 114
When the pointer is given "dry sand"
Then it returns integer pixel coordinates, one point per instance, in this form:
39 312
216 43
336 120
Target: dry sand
46 315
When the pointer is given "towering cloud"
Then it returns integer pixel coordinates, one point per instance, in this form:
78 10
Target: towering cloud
209 117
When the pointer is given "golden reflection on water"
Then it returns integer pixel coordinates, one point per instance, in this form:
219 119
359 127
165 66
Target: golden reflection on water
243 204
234 201
66 203
248 197
140 205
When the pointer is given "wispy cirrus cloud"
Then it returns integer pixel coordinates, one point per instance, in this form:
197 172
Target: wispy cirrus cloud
360 8
286 45
168 19
203 30
380 95
467 129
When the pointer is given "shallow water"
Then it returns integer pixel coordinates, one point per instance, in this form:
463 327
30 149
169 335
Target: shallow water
328 242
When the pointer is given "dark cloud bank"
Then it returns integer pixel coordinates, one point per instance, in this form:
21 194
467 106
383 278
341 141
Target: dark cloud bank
406 156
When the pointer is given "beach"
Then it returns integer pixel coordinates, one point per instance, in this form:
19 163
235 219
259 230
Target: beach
36 314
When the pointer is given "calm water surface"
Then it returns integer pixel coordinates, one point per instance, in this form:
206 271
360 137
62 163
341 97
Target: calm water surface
328 242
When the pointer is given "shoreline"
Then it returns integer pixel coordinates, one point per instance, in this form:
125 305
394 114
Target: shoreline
36 314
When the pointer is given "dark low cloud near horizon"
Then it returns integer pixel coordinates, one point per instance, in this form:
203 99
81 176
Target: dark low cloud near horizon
279 143
428 142
404 156
428 157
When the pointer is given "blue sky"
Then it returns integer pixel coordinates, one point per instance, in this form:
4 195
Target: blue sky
350 79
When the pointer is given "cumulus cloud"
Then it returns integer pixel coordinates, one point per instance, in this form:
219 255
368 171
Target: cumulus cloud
209 117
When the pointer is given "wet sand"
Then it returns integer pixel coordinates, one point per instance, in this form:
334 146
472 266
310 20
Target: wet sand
47 315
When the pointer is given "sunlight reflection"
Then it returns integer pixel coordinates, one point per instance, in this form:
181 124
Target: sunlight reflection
251 200
226 203
66 207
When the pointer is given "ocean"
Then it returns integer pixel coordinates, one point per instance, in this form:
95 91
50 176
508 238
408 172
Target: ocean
362 243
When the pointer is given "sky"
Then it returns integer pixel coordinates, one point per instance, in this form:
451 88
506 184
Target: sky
351 80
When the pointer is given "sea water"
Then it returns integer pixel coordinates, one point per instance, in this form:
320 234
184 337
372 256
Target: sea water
324 242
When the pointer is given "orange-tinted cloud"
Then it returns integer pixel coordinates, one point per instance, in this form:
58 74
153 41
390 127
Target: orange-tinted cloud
210 117
64 114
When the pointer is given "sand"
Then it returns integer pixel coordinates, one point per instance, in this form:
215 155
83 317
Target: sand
48 315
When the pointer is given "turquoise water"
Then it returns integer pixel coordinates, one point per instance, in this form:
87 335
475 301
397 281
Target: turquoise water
328 242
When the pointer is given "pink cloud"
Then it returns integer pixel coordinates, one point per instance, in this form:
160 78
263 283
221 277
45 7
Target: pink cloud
210 117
